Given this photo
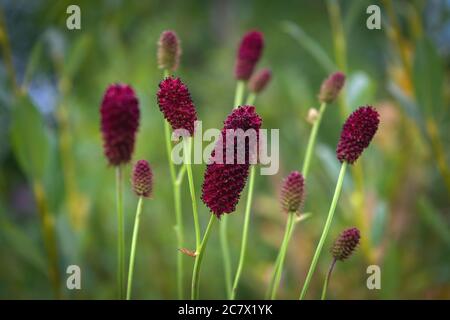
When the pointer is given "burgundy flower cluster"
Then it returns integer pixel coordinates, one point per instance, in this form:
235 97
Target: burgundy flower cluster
175 103
119 123
345 244
223 183
357 133
292 192
142 179
248 55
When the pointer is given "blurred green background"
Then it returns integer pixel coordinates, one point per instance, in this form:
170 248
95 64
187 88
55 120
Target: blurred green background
53 173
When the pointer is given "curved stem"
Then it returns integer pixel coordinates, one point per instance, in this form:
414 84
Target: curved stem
133 247
312 141
244 232
187 162
326 228
327 280
283 249
198 260
120 234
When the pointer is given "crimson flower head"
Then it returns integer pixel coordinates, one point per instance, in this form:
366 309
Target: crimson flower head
331 87
175 103
357 133
292 192
248 54
142 179
119 123
259 80
224 182
345 244
169 50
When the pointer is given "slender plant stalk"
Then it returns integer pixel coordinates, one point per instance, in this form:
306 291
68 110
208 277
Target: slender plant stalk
251 99
305 170
120 234
176 186
7 54
312 141
198 260
49 235
238 97
302 217
327 280
244 233
312 267
133 247
283 249
225 254
187 162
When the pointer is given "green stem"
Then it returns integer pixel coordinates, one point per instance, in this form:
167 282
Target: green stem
305 170
133 247
176 185
120 234
225 253
283 250
312 141
187 162
239 96
326 228
198 260
244 232
327 280
180 239
251 99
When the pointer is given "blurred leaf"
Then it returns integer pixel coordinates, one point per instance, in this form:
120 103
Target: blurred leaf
428 75
29 138
408 105
309 44
434 220
33 62
360 89
21 244
379 223
331 164
77 54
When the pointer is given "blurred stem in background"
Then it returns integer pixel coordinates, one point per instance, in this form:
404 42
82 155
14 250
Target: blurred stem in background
198 260
120 234
325 231
7 54
340 53
49 234
133 247
238 98
400 45
177 180
76 202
